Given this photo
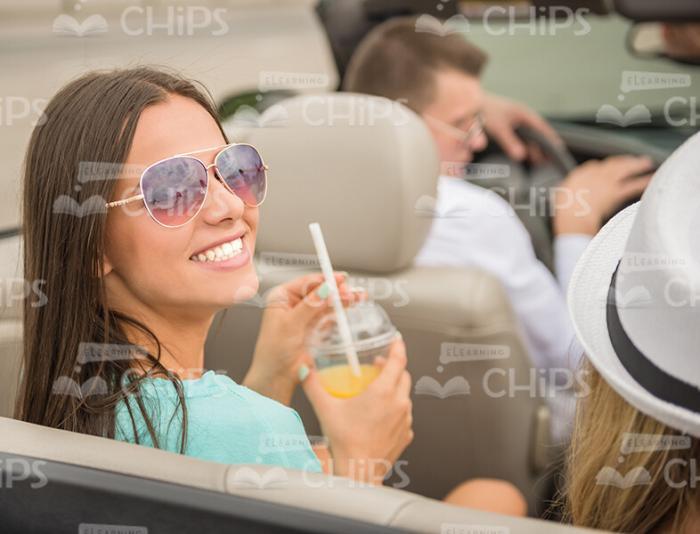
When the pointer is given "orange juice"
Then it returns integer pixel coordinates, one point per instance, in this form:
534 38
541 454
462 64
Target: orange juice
340 381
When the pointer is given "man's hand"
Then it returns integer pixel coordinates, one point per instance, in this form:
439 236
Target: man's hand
682 40
593 190
503 116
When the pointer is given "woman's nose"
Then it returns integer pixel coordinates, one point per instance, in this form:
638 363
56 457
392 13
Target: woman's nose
221 203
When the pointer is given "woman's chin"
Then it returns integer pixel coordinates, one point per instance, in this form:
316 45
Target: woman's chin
243 287
246 288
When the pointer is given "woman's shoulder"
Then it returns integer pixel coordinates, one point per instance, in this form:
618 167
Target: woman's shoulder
226 422
216 398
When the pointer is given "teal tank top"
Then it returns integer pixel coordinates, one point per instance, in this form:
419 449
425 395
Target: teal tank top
226 423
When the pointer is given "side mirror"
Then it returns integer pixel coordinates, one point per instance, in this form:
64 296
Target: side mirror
668 29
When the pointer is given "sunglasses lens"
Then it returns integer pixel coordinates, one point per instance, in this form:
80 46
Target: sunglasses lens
242 169
174 190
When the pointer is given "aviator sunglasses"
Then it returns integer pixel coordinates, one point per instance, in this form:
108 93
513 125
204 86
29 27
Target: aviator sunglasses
174 189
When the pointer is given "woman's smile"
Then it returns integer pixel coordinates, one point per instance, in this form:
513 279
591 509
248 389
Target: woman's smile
224 255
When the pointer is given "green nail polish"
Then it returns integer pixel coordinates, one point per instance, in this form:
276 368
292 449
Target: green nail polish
323 290
303 372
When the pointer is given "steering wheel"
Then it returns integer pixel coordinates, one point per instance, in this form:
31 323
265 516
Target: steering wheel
559 155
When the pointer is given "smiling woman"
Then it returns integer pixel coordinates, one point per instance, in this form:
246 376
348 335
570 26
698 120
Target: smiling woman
133 288
194 215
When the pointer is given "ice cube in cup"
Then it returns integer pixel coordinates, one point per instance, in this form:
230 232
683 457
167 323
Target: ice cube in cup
372 334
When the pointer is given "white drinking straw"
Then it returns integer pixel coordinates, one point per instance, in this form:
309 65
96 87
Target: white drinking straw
342 319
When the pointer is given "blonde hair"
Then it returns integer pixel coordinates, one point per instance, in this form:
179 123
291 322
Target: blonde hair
669 500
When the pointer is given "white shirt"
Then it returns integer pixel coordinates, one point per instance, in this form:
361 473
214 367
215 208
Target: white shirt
475 227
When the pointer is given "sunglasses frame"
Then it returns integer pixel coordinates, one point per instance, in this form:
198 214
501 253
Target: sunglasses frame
217 176
475 129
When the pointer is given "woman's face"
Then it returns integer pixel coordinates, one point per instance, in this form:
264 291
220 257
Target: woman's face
152 265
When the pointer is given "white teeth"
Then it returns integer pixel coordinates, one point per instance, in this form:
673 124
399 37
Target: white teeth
221 252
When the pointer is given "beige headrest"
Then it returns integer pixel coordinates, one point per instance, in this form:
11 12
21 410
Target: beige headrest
357 165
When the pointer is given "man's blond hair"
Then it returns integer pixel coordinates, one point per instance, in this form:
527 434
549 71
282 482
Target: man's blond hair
398 60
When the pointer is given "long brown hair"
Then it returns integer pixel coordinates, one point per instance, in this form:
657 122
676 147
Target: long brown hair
668 501
88 125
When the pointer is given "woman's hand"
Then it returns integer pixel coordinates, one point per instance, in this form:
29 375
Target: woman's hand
280 351
367 433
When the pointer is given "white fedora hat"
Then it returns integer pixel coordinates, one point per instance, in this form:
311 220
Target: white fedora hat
634 297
